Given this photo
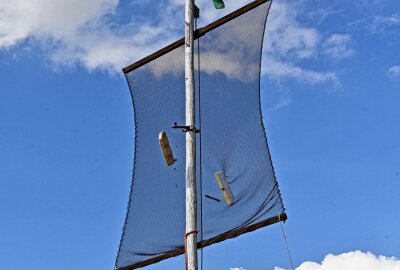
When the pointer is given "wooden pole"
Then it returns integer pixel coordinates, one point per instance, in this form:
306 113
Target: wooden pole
191 196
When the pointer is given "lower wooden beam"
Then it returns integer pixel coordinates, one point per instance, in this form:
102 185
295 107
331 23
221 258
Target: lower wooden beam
208 242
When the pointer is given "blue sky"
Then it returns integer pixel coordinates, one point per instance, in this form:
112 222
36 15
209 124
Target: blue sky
330 90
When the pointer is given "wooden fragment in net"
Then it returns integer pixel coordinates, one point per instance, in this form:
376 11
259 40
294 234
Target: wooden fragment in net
166 148
223 185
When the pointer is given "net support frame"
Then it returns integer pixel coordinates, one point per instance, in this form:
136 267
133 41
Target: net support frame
232 233
219 238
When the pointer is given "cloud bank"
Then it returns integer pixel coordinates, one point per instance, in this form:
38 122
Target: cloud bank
355 260
85 33
91 34
289 43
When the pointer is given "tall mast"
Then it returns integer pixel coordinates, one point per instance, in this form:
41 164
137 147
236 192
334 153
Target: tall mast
191 195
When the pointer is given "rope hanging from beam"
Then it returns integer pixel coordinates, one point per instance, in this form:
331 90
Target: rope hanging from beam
286 243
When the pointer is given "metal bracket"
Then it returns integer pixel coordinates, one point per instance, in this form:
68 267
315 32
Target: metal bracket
196 11
186 128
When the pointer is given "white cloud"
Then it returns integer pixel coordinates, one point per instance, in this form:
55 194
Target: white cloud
46 18
394 71
79 32
229 64
237 268
87 33
280 69
377 24
286 37
354 260
393 19
75 32
288 43
337 46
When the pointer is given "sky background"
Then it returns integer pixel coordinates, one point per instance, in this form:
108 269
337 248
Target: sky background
330 97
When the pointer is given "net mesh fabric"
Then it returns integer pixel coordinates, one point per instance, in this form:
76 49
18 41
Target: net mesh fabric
233 141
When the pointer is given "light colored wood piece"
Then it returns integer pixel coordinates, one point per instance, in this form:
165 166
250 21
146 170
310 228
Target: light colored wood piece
166 148
223 185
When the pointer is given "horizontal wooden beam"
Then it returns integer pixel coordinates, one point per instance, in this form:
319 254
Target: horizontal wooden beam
198 33
213 240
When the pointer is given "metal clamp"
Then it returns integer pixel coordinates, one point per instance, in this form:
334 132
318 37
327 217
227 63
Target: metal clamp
186 128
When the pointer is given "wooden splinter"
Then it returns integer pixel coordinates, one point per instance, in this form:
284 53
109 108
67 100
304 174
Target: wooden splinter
223 185
166 148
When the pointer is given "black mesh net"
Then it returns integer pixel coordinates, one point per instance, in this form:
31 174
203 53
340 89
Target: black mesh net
232 141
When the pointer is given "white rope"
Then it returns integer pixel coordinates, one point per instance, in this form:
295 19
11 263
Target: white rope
286 243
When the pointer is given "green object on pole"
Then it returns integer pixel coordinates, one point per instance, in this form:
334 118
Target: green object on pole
218 4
